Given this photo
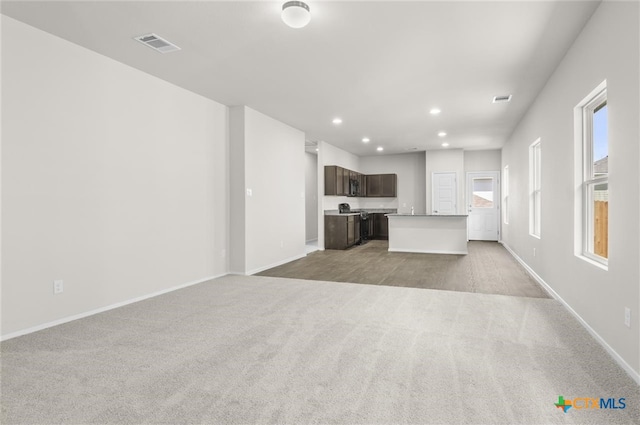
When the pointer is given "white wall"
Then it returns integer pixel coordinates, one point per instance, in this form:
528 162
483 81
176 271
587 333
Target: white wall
273 169
446 160
112 180
410 168
608 48
237 194
487 160
311 197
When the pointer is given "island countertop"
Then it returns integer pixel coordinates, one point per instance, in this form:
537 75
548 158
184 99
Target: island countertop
426 215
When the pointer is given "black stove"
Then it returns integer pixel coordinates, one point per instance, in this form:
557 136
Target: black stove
364 226
364 220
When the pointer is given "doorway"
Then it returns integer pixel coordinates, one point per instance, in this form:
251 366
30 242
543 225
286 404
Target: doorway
483 200
311 201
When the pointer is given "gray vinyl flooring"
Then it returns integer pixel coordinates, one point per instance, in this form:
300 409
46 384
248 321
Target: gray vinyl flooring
487 269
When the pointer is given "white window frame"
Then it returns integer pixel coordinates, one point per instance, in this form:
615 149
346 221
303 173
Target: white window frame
505 195
585 179
535 188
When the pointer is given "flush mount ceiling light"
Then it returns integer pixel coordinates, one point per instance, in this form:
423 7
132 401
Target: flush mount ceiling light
380 149
296 14
365 140
337 121
445 144
442 134
434 111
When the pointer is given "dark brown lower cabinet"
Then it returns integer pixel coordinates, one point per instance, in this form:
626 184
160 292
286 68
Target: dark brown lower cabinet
341 231
380 226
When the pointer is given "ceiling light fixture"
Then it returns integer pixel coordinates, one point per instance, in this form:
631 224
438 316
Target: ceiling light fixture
337 121
296 14
366 140
434 111
445 144
442 134
380 149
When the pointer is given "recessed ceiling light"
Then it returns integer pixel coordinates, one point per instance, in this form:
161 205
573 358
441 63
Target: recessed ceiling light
434 111
366 140
317 150
380 149
502 99
442 134
445 144
337 121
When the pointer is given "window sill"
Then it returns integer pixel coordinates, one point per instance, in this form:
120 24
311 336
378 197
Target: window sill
593 262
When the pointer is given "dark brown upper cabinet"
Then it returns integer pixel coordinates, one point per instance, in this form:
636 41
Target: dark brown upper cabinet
339 181
334 180
381 185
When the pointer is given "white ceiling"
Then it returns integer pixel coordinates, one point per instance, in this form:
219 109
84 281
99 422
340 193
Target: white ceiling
380 66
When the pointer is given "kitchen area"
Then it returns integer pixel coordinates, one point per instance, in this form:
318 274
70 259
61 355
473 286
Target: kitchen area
348 226
345 227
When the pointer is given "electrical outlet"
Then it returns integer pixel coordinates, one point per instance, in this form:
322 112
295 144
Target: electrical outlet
627 317
534 252
249 192
58 287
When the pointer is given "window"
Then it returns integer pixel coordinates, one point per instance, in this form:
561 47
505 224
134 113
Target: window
482 192
534 188
505 195
594 178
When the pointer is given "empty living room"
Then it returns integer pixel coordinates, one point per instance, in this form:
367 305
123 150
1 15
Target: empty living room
320 212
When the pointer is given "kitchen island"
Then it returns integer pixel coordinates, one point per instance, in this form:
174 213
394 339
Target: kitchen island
433 234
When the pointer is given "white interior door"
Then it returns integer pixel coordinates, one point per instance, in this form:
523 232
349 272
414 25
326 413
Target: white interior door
483 199
444 193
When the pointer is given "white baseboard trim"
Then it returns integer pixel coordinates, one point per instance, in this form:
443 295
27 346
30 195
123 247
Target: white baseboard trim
103 309
623 364
276 264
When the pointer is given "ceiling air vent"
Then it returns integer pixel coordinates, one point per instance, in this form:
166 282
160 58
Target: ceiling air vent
157 43
502 99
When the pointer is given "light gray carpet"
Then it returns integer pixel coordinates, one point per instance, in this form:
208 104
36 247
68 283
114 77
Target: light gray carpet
259 350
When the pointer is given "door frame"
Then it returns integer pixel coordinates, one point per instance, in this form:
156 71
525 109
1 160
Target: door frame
497 196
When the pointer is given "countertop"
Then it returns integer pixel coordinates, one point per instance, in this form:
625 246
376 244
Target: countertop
369 210
427 215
